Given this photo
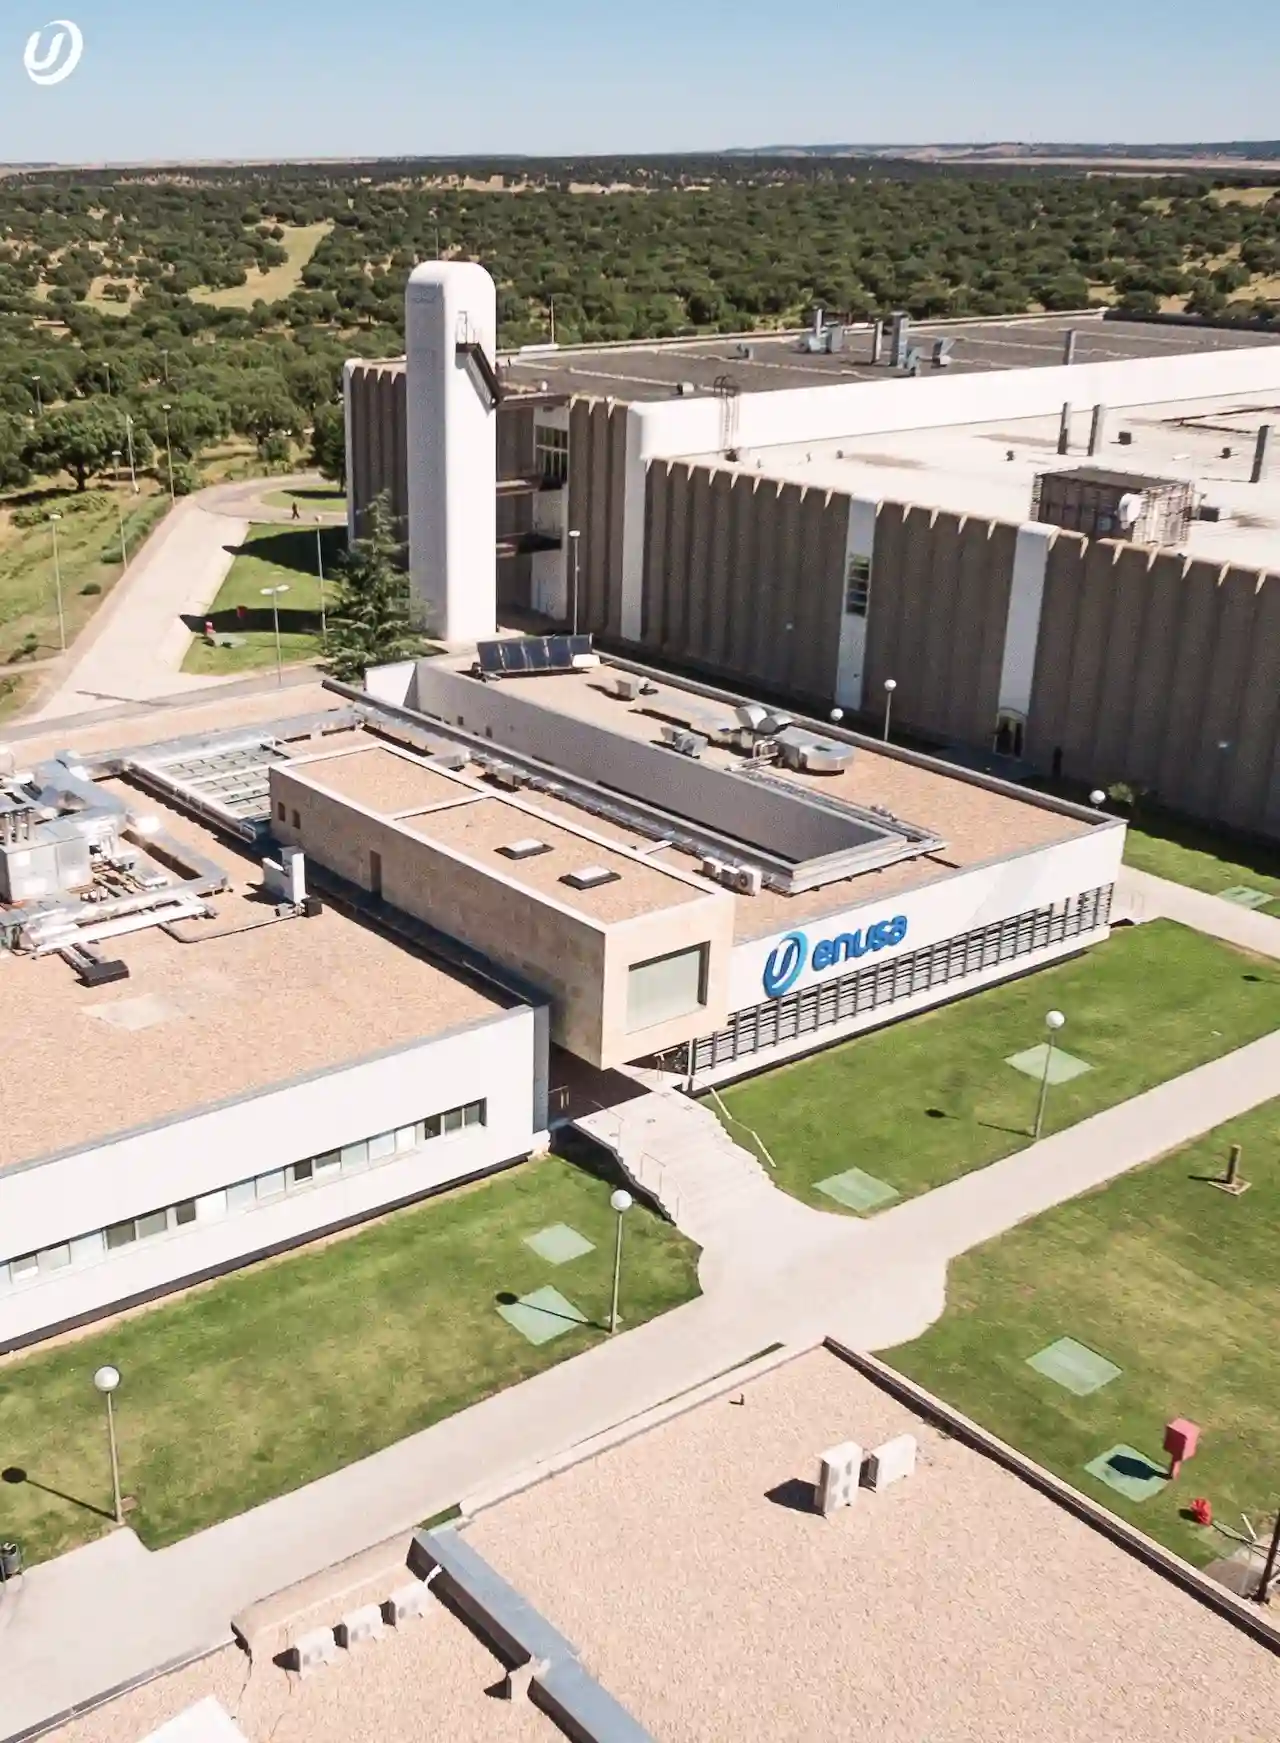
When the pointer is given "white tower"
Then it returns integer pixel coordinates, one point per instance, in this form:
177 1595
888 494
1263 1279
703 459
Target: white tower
451 325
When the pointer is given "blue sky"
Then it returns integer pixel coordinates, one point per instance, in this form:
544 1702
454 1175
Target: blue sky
288 78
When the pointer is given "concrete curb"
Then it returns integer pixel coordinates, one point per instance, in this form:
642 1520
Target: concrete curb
1248 1617
679 1405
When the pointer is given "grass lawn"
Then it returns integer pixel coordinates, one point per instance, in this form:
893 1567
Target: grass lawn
300 243
270 556
930 1098
311 499
1176 1284
1186 853
89 560
251 1386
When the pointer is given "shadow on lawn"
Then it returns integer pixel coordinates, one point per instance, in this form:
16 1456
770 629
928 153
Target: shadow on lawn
295 549
15 1474
253 620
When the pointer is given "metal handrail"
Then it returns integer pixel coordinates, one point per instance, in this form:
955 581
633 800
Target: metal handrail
733 1120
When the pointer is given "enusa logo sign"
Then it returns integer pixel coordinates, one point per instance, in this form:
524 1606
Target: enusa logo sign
791 955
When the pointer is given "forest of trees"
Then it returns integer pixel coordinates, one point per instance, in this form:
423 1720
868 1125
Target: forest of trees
103 274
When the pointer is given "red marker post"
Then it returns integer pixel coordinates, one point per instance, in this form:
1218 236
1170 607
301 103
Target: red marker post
1180 1441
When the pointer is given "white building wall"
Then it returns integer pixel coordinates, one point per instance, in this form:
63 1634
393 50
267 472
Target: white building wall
954 905
851 658
1022 624
46 1203
549 570
452 450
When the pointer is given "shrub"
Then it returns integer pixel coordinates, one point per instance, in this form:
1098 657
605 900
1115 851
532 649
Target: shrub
91 588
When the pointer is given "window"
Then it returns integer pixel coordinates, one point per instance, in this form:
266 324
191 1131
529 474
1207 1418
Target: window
296 820
857 587
243 1195
665 988
551 453
280 810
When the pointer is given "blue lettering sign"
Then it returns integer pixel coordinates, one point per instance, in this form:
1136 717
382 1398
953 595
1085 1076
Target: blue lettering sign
791 955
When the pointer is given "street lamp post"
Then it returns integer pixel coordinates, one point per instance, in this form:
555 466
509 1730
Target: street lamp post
621 1202
106 1380
574 538
1263 1593
837 715
1052 1023
128 438
39 401
124 549
1097 798
57 581
324 626
273 594
890 685
168 446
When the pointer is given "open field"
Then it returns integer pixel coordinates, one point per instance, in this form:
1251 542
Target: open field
1177 1285
89 561
251 1386
932 1097
300 243
271 556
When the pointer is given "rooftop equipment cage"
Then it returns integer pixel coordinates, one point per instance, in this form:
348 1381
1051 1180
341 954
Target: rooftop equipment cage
1103 504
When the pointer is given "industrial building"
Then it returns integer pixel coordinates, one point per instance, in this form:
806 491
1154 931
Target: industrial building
1054 534
288 972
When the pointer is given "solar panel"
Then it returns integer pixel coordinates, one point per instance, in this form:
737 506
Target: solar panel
534 653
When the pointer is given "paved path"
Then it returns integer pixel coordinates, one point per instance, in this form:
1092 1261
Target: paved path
785 1274
134 647
1140 896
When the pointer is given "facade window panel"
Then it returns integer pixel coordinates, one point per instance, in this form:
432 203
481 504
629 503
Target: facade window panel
407 1138
300 1173
55 1258
476 1113
453 1120
211 1207
156 1222
88 1249
432 1127
270 1185
5 1279
355 1157
184 1213
121 1235
24 1269
241 1196
327 1166
382 1146
665 988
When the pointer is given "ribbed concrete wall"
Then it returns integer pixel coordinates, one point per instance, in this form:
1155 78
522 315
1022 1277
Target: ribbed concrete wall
597 464
377 447
1150 664
939 605
744 575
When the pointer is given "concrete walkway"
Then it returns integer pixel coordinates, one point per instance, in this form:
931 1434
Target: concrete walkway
1139 896
775 1272
133 648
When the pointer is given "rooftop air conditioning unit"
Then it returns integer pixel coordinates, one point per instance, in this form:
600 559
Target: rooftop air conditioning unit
745 879
714 869
506 775
685 744
626 686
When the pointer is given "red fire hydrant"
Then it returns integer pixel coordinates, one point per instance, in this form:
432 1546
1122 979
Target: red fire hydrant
1202 1511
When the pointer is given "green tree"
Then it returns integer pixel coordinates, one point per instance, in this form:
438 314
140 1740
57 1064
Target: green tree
369 620
13 442
329 443
76 438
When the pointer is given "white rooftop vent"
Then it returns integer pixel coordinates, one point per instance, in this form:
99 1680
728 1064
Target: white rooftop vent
590 877
526 848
